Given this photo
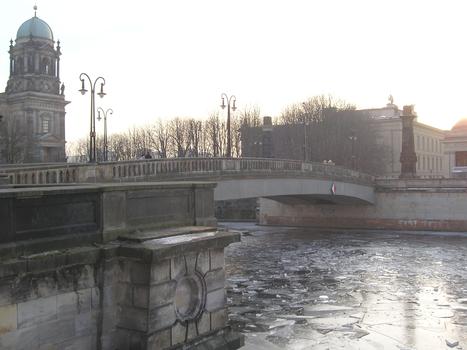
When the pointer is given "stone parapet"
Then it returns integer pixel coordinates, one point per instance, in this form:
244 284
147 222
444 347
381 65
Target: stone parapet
98 213
177 168
95 267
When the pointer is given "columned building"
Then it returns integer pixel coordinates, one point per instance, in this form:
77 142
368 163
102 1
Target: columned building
428 142
33 105
455 148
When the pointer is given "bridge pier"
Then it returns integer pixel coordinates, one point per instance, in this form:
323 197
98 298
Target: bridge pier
423 205
129 266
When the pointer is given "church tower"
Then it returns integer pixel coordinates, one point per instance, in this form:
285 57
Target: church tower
34 96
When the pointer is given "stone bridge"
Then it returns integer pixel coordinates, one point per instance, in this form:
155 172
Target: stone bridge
288 181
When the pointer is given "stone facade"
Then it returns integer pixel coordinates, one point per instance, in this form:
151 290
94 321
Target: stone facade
73 285
455 148
388 127
33 104
427 139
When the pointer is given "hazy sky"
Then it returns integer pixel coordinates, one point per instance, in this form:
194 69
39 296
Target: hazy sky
163 59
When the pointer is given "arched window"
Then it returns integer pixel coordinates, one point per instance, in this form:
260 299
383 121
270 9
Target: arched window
45 65
46 126
19 65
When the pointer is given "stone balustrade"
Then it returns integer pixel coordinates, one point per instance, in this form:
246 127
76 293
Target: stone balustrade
183 168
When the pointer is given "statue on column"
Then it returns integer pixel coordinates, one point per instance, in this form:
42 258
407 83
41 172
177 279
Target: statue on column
408 157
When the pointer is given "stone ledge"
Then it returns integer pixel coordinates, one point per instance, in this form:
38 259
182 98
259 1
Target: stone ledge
141 237
151 251
34 246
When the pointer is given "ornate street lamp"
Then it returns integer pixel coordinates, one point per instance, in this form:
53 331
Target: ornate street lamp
110 112
92 133
229 136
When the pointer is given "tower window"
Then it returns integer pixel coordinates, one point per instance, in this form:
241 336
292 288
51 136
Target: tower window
45 125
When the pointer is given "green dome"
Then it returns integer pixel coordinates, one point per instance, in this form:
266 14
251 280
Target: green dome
36 28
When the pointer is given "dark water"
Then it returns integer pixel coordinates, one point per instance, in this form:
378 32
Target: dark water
310 289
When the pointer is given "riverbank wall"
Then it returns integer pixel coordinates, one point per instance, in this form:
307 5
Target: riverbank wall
399 205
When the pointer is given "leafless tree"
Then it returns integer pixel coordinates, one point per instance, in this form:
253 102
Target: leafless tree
15 140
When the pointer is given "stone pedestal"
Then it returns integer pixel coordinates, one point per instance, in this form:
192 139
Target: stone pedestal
96 267
173 293
408 157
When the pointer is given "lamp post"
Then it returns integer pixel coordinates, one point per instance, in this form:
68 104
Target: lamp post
92 132
110 111
232 99
353 139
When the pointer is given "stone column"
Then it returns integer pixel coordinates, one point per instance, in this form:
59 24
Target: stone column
408 157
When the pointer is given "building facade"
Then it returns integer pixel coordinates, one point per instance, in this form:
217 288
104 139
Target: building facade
455 149
386 124
428 142
33 104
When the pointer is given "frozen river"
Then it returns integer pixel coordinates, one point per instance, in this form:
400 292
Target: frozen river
292 288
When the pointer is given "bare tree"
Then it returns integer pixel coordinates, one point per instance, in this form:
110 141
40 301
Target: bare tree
15 141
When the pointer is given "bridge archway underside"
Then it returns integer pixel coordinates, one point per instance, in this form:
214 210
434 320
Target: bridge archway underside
295 191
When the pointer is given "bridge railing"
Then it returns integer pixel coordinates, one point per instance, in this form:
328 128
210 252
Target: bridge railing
154 169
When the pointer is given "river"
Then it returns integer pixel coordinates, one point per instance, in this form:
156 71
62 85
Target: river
298 288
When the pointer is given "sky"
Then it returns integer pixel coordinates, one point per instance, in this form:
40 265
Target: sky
166 59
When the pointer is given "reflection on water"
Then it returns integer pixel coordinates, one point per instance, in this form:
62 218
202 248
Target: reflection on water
310 289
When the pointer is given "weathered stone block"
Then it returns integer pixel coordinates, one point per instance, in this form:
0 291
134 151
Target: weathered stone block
215 279
82 256
67 305
178 267
12 267
161 317
190 262
109 296
84 300
79 343
204 323
86 278
110 317
217 258
215 300
21 339
163 293
85 324
41 262
55 331
6 291
178 333
111 272
95 298
133 318
140 296
191 330
139 273
202 264
124 294
37 311
219 319
160 272
46 286
160 340
8 318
